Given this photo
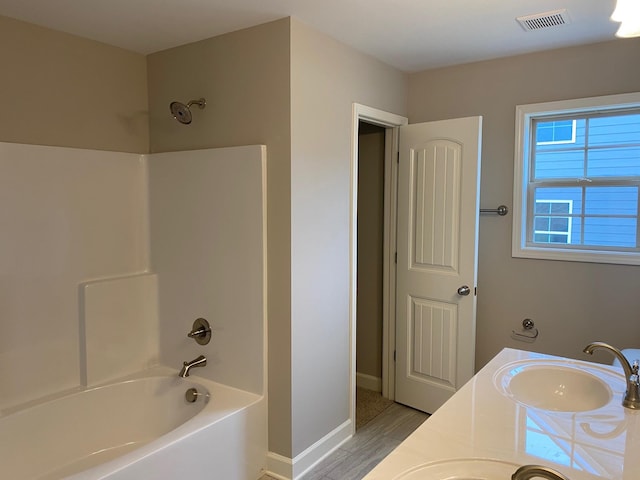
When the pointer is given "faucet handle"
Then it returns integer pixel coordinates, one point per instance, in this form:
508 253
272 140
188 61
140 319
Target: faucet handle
201 331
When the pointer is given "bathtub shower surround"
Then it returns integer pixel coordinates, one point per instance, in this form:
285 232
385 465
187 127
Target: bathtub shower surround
68 216
118 327
208 247
107 259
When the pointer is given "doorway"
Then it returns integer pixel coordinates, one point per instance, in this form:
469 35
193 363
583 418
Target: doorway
369 290
439 237
383 129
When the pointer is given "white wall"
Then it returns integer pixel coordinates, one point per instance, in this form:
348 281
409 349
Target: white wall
208 247
67 216
77 307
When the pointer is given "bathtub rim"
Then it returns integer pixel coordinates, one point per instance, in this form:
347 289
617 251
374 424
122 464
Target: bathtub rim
155 371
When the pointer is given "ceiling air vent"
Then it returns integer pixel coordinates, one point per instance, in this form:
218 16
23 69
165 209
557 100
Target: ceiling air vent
540 21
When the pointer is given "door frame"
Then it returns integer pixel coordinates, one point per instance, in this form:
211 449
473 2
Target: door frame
391 122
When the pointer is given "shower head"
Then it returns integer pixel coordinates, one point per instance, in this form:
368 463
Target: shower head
182 112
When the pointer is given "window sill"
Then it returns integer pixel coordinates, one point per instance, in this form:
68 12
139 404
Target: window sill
588 256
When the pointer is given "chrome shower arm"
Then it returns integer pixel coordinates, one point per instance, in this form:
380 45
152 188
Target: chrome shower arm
201 102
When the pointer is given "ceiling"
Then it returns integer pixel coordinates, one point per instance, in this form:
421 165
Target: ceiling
411 35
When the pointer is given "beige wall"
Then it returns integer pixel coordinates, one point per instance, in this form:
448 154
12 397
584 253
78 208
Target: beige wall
244 76
62 90
370 243
252 99
571 303
326 78
74 92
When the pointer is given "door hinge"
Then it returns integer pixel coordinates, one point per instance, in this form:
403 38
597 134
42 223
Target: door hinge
398 157
396 258
394 355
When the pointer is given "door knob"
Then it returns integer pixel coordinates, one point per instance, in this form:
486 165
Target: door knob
464 290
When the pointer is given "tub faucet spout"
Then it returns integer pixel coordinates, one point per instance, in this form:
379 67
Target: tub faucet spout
201 361
632 396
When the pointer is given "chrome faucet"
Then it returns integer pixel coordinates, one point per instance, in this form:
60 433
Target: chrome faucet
527 472
201 361
632 396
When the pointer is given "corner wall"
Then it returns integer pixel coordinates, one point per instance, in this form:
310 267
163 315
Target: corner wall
327 77
571 303
244 77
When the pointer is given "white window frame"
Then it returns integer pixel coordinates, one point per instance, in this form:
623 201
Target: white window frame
524 116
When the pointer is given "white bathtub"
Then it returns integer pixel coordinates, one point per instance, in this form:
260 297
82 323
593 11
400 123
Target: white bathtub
138 429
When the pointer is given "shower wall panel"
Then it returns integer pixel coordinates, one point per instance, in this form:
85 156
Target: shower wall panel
208 247
68 216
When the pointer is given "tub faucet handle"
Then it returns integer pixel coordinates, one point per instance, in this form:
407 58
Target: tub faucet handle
200 331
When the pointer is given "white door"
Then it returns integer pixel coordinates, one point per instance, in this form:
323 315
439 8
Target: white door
438 189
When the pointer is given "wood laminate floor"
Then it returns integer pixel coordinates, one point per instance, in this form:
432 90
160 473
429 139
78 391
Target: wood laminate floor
371 443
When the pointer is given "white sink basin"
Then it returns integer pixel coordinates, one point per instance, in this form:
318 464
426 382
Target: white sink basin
461 469
555 386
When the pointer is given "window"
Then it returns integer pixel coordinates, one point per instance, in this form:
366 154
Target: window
577 180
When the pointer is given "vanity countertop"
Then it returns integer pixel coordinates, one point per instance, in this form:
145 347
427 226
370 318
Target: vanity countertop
483 422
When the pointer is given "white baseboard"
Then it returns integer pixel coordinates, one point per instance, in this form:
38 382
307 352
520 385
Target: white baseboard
284 468
279 467
369 382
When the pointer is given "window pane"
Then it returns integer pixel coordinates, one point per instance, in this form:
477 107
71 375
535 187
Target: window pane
610 232
542 224
576 231
544 132
559 164
554 131
559 224
568 198
575 143
541 238
542 207
614 130
560 207
555 238
610 162
611 201
544 237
